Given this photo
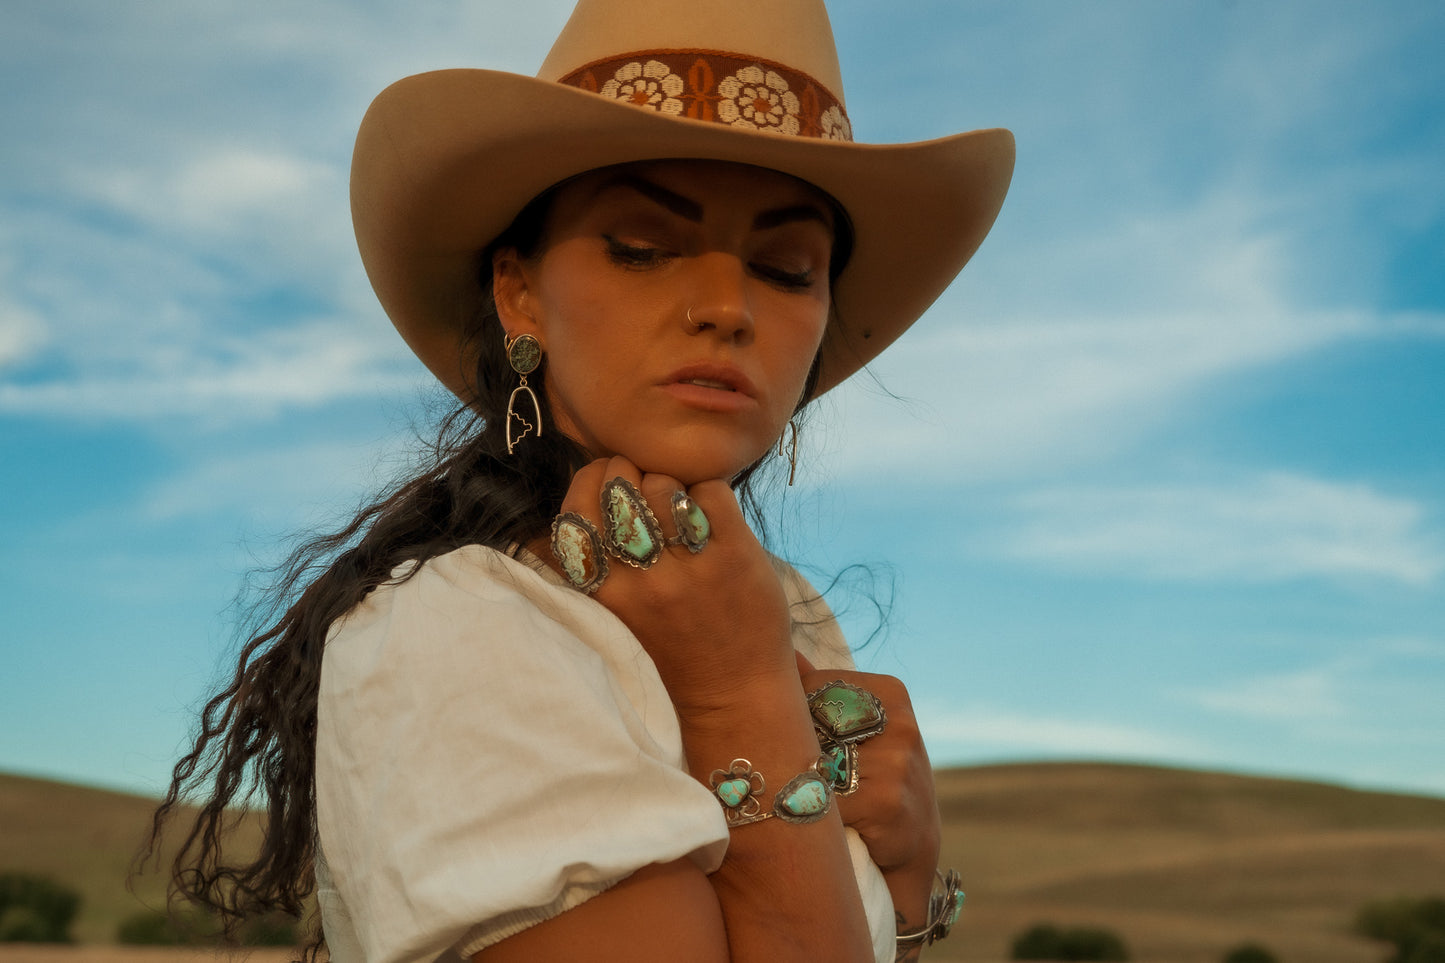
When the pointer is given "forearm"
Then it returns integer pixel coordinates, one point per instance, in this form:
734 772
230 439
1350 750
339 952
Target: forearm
786 890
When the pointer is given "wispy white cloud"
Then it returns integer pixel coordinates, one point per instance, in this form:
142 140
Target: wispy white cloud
1379 692
1302 695
1162 234
1083 346
195 259
984 729
305 365
222 189
21 332
1265 528
1415 647
278 487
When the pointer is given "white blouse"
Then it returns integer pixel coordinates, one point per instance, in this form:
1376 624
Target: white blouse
494 747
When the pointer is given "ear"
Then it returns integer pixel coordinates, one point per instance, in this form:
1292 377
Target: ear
511 290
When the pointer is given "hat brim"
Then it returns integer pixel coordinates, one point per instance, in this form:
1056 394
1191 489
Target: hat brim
445 160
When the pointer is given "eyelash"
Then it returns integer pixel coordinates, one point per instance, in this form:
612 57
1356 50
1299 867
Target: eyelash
633 256
791 280
629 255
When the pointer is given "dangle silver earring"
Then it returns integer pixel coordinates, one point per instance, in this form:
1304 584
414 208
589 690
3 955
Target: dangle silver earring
788 448
524 354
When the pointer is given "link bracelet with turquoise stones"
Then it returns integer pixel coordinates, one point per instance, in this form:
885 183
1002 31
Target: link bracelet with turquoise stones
806 798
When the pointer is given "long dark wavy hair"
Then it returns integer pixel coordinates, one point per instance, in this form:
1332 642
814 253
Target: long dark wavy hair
257 735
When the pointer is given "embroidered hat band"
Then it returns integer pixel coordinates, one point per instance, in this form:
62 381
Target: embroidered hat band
743 92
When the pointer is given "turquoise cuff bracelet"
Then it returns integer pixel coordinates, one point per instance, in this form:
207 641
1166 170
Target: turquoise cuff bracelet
945 903
806 798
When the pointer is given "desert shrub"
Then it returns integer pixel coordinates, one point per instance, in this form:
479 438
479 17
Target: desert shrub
1393 920
1088 943
1425 949
21 924
145 928
1038 942
189 926
35 909
1044 941
196 926
1250 953
1415 926
273 929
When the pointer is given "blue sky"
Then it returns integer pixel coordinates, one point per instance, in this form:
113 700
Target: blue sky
1161 478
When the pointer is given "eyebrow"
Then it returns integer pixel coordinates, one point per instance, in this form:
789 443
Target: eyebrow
691 210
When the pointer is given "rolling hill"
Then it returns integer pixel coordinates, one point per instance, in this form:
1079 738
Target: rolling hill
1182 864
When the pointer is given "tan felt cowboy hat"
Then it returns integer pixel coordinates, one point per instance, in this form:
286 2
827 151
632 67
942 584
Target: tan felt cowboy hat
445 160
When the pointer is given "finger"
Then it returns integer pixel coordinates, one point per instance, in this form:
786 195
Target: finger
804 666
576 542
659 490
581 497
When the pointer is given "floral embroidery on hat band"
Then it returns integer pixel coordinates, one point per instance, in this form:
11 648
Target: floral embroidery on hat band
742 92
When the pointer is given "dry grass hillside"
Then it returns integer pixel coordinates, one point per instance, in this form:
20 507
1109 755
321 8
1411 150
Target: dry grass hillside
85 838
1182 864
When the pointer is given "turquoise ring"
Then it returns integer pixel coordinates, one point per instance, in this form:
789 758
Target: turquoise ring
693 528
578 549
846 713
629 529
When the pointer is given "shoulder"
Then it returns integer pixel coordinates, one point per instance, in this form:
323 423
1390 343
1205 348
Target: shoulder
469 592
478 626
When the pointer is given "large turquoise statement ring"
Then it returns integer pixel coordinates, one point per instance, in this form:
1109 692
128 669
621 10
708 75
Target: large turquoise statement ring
845 713
629 529
578 549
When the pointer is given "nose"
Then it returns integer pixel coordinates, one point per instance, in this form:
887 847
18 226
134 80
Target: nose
718 298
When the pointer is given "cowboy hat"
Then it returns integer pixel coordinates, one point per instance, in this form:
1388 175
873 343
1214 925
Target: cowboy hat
445 160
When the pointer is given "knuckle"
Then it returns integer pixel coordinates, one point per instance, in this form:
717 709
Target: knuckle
658 488
903 725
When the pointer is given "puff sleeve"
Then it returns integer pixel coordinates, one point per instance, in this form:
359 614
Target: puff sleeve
492 749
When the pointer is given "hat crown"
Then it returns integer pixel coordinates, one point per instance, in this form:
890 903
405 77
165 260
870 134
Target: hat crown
795 33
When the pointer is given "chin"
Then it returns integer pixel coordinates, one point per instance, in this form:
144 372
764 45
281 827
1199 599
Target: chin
696 464
691 473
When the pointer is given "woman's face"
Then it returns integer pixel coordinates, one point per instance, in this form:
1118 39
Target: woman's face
681 305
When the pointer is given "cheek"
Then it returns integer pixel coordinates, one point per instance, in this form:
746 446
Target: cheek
803 343
590 355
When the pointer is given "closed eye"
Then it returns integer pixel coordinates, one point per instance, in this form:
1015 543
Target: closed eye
784 278
634 255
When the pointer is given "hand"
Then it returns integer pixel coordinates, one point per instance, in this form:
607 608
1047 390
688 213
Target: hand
895 809
714 622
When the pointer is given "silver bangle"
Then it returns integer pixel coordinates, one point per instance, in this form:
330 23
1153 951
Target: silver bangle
945 902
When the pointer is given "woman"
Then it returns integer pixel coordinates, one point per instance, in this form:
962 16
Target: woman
552 699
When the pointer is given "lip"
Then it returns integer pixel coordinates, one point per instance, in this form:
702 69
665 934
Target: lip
716 377
716 387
